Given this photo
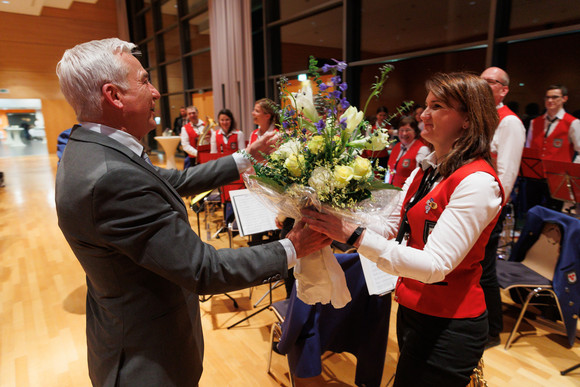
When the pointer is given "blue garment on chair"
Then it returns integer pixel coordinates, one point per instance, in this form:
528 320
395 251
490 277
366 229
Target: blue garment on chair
360 328
566 283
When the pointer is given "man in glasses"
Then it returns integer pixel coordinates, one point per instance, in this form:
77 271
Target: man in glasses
506 147
556 133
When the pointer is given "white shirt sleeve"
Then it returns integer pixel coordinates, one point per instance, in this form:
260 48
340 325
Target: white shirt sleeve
472 206
213 142
574 135
422 153
530 134
241 140
508 143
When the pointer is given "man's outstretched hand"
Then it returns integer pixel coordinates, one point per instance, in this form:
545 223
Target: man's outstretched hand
306 240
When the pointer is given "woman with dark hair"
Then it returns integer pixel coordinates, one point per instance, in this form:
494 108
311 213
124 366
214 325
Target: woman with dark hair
226 138
445 214
407 153
265 116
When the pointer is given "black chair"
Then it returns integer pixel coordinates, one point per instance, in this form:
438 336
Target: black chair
545 262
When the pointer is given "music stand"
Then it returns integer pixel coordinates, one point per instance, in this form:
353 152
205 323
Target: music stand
563 180
252 218
531 165
197 207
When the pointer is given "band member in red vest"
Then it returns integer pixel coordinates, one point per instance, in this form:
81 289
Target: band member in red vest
506 149
265 117
556 134
190 133
227 139
446 212
407 153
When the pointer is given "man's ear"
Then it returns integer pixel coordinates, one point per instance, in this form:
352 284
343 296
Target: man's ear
112 95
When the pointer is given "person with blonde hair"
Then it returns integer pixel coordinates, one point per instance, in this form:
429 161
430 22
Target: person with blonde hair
435 238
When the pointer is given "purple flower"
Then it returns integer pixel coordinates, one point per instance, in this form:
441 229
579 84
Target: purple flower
303 130
285 125
344 103
336 94
343 86
343 123
335 80
322 87
340 66
320 125
326 68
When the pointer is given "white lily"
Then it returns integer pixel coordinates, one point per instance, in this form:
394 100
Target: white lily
305 103
353 118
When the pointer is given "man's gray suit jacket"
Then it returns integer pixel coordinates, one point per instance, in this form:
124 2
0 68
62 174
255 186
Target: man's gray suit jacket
128 226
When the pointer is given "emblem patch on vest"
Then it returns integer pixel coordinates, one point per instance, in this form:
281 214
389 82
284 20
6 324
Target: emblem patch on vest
557 143
233 145
428 229
406 163
571 277
430 205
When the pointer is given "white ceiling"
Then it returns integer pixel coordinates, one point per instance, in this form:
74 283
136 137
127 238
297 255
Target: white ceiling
34 7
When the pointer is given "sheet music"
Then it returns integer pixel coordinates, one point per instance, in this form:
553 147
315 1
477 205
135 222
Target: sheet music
252 216
378 281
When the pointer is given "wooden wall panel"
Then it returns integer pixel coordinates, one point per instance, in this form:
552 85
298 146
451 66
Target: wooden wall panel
58 116
31 46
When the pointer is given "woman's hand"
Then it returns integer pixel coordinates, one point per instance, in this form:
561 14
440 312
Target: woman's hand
328 224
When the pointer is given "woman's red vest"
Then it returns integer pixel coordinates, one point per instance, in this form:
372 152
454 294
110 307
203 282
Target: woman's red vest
402 168
459 295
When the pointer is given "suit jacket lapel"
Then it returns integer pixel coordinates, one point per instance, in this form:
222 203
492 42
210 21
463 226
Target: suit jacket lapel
81 134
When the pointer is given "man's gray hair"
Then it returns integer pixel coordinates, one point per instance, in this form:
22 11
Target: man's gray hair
85 68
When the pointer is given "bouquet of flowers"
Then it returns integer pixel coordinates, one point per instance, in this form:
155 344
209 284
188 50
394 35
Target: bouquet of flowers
318 163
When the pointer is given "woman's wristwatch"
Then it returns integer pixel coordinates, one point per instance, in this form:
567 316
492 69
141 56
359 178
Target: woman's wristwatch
355 235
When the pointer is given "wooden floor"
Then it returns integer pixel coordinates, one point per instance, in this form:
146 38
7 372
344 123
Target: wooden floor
42 321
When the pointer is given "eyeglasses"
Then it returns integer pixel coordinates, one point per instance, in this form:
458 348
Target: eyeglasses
492 82
552 97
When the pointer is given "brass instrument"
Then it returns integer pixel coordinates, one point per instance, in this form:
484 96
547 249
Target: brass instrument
210 125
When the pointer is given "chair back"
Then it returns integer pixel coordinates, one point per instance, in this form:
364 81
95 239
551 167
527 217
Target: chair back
543 256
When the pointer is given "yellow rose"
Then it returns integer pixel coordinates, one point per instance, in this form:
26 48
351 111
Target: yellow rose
343 174
295 164
315 144
362 168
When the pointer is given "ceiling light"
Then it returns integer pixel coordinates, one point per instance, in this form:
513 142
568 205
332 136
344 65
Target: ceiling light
5 2
302 77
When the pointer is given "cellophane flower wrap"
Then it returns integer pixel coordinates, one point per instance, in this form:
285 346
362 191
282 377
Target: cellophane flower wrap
318 163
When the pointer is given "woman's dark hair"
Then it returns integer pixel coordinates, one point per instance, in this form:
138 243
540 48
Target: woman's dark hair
228 113
412 123
473 96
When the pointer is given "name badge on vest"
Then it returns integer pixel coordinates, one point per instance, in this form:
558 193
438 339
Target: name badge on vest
428 229
233 145
406 163
557 143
